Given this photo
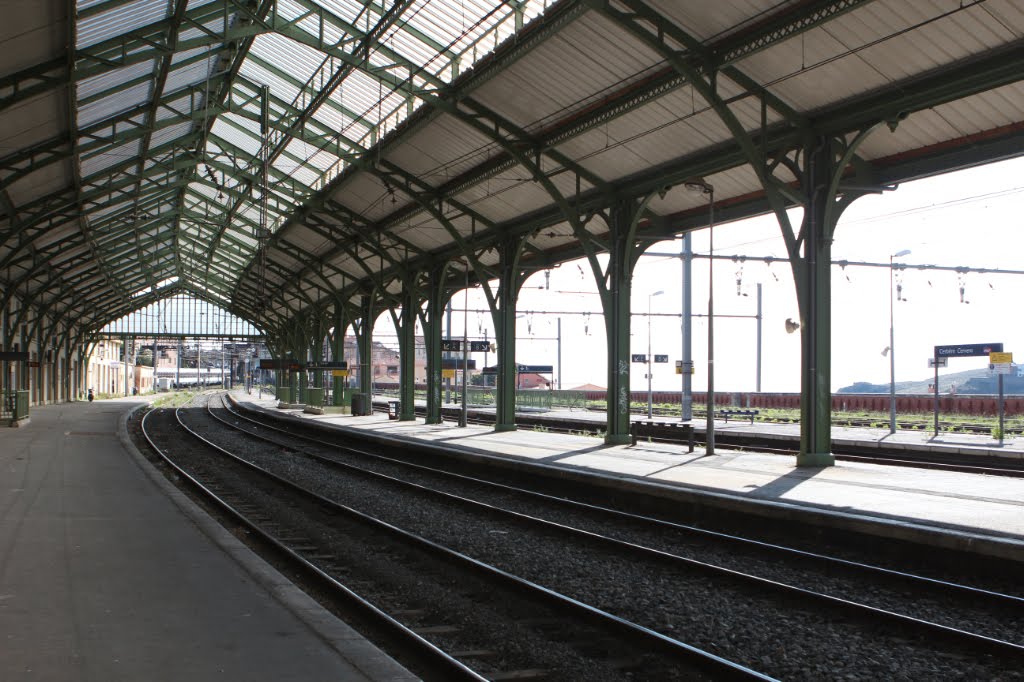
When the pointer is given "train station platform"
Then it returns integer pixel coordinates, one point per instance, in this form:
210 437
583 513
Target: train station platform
971 512
108 572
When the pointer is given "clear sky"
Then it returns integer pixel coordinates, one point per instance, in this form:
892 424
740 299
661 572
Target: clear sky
971 219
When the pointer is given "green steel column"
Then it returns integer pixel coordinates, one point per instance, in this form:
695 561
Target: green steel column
316 352
364 341
814 296
300 349
407 355
42 388
124 356
432 328
616 303
340 323
510 281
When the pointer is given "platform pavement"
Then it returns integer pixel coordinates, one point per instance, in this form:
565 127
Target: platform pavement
108 572
978 513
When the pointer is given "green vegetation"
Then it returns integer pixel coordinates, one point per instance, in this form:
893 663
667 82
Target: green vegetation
174 399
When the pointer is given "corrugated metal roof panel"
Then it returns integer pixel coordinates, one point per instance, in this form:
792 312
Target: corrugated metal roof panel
31 121
120 19
42 182
443 151
713 20
586 60
956 121
32 33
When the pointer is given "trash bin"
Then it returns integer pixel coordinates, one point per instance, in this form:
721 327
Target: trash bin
393 408
360 404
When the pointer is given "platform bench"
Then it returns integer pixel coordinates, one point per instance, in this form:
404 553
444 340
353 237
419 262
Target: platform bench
662 431
738 413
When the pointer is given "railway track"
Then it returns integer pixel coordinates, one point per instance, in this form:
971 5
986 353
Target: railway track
887 589
977 464
492 622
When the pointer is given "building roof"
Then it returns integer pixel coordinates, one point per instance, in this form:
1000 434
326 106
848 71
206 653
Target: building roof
276 156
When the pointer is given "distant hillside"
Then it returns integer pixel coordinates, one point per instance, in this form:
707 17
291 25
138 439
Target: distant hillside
971 382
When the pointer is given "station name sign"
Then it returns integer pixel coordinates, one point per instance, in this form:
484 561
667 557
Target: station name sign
266 363
14 355
968 350
455 345
338 364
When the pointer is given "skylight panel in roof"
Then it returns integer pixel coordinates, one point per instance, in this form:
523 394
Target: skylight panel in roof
336 120
162 137
301 173
412 48
119 19
115 103
311 155
280 88
174 108
192 74
296 59
362 94
346 9
111 157
116 78
238 132
326 27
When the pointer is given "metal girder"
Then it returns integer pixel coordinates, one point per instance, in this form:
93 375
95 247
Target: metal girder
322 94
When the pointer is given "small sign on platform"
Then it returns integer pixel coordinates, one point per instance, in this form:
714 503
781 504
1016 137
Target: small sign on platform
968 350
938 362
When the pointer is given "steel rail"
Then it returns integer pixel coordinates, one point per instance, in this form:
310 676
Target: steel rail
949 633
711 663
783 550
445 663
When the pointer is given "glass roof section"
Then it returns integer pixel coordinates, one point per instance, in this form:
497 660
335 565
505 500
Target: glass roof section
181 315
201 126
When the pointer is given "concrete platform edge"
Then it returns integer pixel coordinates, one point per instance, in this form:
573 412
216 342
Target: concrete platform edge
908 531
937 535
342 638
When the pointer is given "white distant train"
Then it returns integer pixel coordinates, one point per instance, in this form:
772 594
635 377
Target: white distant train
167 379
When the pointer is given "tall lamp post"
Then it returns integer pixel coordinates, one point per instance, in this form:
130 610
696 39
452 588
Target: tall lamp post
892 345
704 187
650 371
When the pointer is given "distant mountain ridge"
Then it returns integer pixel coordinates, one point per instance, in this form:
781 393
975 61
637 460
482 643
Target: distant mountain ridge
970 382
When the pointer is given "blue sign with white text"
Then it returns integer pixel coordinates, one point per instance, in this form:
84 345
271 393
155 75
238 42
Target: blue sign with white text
968 350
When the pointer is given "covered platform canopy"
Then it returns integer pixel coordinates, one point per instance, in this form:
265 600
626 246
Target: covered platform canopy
306 164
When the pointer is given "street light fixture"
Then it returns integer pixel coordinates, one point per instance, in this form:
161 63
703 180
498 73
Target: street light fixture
892 345
704 187
650 372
